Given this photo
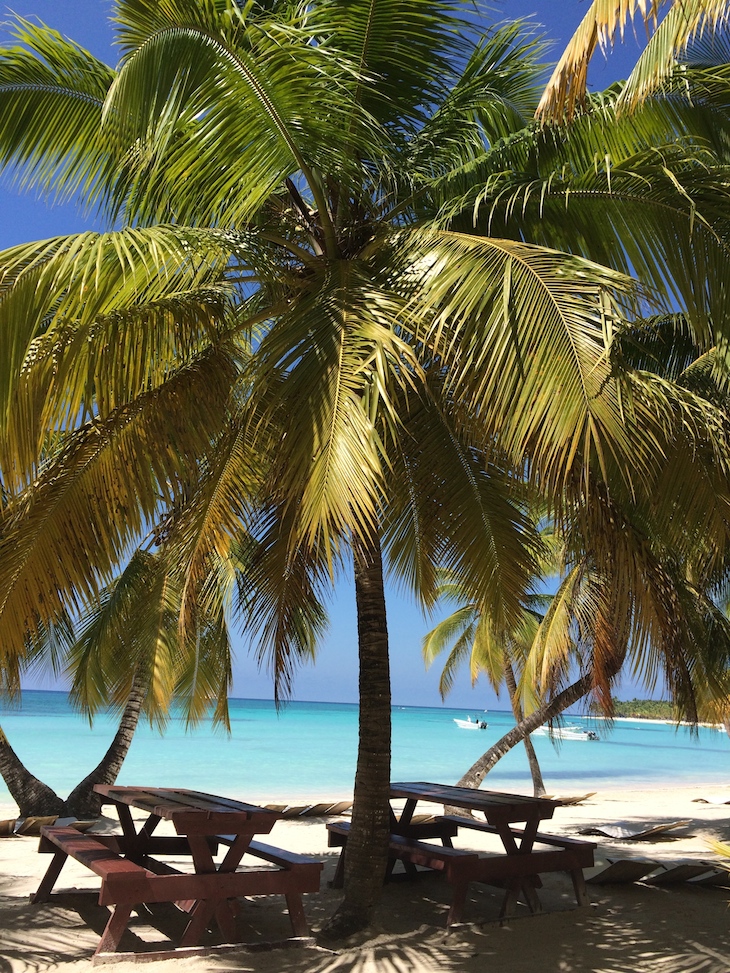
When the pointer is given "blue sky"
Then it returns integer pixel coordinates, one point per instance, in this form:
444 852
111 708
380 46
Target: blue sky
334 678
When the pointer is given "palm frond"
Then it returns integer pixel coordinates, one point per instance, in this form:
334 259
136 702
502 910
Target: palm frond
52 94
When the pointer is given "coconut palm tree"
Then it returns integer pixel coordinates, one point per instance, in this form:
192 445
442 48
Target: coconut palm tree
306 349
467 637
124 652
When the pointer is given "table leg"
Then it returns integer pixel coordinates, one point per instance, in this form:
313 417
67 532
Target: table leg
527 884
400 825
201 914
135 843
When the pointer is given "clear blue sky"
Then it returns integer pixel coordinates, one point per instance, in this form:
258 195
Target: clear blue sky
334 677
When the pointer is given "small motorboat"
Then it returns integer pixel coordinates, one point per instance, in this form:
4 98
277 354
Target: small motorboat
566 733
470 724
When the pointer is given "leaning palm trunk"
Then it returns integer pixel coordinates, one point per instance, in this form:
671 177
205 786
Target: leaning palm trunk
32 796
537 782
367 844
82 801
479 770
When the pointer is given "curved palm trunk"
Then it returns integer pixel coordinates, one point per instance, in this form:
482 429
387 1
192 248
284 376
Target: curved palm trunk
82 801
479 770
367 844
537 783
32 796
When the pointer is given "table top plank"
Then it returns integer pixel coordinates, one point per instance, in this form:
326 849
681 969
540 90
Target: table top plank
495 805
193 812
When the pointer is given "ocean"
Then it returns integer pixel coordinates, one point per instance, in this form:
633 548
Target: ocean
307 751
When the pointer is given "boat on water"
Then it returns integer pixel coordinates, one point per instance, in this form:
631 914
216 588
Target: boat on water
470 724
566 733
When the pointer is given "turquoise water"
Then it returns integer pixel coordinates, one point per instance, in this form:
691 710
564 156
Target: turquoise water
308 750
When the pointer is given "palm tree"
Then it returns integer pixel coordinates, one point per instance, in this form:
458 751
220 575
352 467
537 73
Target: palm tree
674 619
467 636
288 359
123 651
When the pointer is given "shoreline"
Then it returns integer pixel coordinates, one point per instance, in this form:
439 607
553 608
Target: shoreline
669 792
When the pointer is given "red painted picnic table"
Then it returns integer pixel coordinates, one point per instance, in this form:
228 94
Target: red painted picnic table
520 867
198 817
133 873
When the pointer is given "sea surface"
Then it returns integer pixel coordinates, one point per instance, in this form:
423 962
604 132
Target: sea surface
307 751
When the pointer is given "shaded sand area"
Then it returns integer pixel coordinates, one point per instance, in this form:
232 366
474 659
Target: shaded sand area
628 927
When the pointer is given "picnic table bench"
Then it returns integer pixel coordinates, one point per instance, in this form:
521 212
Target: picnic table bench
131 874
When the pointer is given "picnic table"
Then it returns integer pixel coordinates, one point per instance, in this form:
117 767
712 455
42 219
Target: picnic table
133 872
517 868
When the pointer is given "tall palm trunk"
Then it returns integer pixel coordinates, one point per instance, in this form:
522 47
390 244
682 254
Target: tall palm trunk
32 796
82 801
537 783
367 844
548 711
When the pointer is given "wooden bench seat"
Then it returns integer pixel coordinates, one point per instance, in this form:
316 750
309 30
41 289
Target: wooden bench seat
125 883
453 863
574 855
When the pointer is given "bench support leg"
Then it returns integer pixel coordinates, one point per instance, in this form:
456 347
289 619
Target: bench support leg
296 914
43 893
338 880
114 930
458 902
579 886
200 917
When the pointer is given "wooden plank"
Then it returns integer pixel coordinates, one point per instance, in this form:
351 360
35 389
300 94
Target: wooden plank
496 805
85 849
541 838
149 887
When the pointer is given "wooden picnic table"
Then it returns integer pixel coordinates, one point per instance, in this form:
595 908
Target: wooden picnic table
520 867
132 872
517 870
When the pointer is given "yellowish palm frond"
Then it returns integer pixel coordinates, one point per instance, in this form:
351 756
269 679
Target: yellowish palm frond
103 488
604 20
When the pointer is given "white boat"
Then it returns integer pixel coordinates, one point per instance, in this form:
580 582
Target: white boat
566 733
470 724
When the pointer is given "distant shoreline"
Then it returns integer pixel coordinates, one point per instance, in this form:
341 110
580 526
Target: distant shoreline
647 719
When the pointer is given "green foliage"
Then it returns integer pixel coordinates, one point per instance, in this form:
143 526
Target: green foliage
644 709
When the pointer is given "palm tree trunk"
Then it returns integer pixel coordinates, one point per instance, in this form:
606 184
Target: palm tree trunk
538 786
548 711
33 797
367 844
82 801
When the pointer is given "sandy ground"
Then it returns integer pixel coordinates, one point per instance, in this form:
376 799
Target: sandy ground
628 927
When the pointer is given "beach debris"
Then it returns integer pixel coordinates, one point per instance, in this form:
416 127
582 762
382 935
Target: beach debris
321 810
31 826
718 876
622 870
568 799
683 871
626 831
712 799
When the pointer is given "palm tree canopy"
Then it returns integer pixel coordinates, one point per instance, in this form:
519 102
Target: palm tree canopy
306 327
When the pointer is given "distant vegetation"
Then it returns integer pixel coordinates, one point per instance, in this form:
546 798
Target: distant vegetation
644 709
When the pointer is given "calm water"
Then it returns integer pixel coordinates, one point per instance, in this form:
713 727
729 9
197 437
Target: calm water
308 750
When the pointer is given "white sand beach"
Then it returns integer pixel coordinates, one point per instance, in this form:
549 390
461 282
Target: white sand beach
628 927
